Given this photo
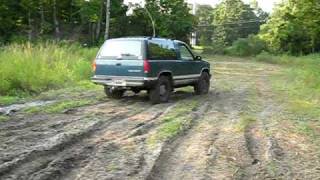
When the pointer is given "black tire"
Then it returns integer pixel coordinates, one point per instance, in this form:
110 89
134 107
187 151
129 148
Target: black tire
136 91
113 93
161 92
203 84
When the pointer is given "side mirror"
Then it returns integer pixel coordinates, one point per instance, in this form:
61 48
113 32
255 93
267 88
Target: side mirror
198 58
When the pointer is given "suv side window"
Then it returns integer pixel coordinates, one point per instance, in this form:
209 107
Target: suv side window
161 50
185 53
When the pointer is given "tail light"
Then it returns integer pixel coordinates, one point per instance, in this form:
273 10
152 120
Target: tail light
94 66
146 66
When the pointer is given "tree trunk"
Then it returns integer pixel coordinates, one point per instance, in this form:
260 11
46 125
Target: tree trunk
71 12
55 20
42 23
106 35
98 30
29 26
93 33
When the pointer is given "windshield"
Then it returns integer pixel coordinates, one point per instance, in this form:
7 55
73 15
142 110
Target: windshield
121 50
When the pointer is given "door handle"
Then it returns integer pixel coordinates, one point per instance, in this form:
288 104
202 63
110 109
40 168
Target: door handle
118 64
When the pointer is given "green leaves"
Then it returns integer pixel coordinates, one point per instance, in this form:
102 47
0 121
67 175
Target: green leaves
173 18
232 19
294 27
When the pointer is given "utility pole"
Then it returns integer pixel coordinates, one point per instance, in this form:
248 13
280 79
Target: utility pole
194 34
106 35
152 21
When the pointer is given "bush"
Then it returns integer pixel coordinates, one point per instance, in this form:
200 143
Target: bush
303 72
250 46
34 68
216 48
267 57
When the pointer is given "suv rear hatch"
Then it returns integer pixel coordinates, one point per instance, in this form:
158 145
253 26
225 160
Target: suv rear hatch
120 58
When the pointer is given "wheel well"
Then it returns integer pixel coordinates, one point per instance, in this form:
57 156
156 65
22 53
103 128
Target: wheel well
206 70
167 74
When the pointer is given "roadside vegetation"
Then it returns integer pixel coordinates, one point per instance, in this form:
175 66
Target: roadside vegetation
28 69
300 81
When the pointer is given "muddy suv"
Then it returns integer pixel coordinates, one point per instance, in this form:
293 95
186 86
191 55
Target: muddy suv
153 64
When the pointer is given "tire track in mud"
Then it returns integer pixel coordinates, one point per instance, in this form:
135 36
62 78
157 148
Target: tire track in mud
55 145
94 143
214 148
162 161
195 155
60 153
266 154
127 149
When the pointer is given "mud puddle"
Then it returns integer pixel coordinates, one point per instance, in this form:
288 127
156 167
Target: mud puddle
9 110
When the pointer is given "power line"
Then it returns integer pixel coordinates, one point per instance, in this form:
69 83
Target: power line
234 23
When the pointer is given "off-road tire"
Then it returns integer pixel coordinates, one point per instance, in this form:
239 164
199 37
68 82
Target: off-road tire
136 91
114 94
157 94
203 84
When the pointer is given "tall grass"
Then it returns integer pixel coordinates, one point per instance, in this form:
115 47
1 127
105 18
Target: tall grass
32 69
301 81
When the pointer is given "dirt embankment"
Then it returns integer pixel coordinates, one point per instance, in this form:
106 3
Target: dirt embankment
238 131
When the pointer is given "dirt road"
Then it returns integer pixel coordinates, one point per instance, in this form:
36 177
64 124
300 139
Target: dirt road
240 130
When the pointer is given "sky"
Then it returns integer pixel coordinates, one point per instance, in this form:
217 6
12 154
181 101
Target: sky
266 5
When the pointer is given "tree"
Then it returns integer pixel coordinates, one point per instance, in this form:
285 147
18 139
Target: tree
294 27
204 15
139 22
84 20
232 19
172 18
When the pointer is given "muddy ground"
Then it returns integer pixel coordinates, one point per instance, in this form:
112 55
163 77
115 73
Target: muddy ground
240 130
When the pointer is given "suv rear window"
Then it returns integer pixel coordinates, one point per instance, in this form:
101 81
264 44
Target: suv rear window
161 50
121 50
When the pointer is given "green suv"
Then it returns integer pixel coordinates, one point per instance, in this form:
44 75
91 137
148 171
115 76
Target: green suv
154 64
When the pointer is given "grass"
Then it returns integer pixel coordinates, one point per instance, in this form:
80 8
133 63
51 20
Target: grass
245 121
60 106
82 94
3 118
7 100
34 68
298 87
176 121
74 91
300 82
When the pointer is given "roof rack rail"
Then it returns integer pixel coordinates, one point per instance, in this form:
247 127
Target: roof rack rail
147 37
136 37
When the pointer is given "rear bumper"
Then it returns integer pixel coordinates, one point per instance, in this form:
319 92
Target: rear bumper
126 81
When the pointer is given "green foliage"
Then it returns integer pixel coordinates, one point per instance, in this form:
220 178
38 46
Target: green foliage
6 100
172 18
250 46
78 20
294 27
35 68
84 20
234 19
204 16
215 48
270 58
